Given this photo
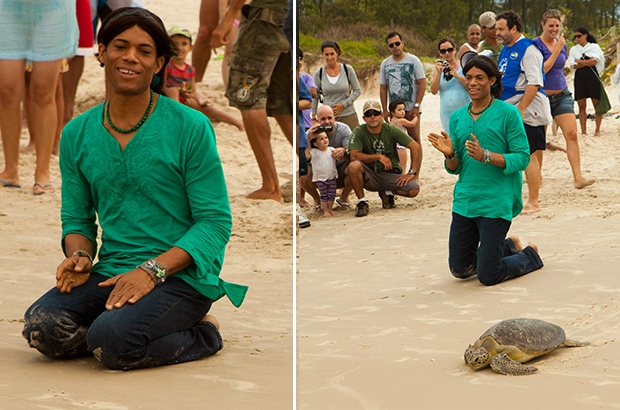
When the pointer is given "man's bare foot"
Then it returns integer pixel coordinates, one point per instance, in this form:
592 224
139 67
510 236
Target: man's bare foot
28 149
517 242
533 246
552 146
529 209
583 183
304 204
597 134
264 194
211 319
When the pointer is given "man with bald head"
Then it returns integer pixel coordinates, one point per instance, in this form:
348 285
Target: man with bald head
474 35
338 134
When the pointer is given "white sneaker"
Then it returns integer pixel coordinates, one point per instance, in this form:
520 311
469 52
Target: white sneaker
302 220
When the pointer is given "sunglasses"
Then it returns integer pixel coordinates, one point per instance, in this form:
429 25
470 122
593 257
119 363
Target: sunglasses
578 35
372 113
394 44
446 50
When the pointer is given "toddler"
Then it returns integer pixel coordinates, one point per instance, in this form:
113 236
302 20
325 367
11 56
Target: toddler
397 118
179 80
324 172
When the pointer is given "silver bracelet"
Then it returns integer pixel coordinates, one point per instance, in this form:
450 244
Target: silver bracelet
487 156
82 252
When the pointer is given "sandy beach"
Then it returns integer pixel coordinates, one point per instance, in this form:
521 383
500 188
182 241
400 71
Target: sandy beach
381 323
255 367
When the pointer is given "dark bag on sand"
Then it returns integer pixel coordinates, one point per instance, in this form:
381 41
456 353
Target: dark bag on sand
603 103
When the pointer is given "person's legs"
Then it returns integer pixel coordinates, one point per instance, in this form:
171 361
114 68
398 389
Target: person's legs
60 112
355 178
309 186
56 324
415 134
568 125
70 82
463 246
496 258
201 52
259 135
43 83
532 173
164 327
285 122
598 118
11 93
583 116
219 115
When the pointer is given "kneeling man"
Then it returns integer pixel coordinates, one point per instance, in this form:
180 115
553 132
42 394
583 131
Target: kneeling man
374 160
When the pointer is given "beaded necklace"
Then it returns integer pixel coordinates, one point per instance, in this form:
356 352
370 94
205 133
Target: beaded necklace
135 127
472 112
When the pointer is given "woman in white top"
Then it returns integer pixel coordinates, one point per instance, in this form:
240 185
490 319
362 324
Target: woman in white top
337 86
588 61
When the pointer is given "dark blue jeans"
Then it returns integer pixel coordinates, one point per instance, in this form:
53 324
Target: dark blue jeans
164 327
478 246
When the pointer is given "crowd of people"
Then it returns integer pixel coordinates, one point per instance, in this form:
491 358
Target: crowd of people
533 80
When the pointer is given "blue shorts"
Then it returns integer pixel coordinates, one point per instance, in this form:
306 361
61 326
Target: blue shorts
562 103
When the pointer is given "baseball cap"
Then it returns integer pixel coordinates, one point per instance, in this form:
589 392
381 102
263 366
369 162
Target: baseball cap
372 105
487 19
178 31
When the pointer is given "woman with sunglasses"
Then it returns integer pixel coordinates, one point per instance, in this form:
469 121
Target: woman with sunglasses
552 45
448 80
337 86
588 61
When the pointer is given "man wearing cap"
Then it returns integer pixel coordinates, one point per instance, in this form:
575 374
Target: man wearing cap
402 77
374 160
490 44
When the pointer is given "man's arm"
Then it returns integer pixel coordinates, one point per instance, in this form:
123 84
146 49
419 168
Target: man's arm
383 92
219 36
368 158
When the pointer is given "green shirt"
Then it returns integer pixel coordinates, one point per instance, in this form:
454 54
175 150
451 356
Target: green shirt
382 143
495 49
484 190
165 189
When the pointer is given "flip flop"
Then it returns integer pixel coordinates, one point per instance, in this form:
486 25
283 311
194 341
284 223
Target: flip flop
343 204
45 189
7 184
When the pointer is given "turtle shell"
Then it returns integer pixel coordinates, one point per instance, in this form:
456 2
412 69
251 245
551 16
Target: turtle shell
529 335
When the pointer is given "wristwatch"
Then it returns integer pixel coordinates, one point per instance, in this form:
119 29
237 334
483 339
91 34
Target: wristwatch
412 172
416 105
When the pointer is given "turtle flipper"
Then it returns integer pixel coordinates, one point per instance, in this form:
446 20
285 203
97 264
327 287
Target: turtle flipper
505 365
574 343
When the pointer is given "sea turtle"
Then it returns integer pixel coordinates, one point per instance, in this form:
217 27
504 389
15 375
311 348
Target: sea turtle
511 342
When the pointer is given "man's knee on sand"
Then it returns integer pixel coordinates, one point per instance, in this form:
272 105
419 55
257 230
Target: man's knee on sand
53 334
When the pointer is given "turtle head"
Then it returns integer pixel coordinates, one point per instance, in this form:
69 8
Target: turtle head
477 358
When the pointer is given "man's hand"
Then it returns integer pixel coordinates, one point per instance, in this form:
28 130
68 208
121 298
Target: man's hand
442 143
338 153
128 287
337 108
72 272
387 164
474 149
404 180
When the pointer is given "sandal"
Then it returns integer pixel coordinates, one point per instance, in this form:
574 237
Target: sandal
343 204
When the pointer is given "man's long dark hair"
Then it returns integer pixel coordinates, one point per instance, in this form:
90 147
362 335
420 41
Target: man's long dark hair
125 18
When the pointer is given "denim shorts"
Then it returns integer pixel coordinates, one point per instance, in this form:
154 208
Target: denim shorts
562 103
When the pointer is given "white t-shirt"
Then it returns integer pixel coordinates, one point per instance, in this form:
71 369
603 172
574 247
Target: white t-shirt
323 165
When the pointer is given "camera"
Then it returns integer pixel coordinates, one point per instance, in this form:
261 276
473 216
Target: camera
327 128
447 72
